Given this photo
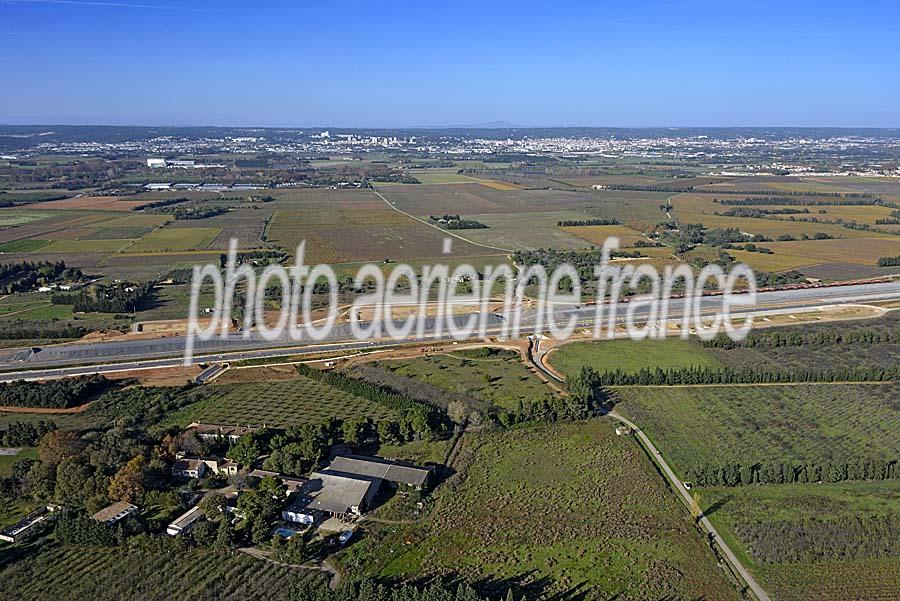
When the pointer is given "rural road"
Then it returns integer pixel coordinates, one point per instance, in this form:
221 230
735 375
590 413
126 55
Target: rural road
676 485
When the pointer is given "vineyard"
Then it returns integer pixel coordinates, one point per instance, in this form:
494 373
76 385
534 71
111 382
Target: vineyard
281 404
101 574
813 541
741 425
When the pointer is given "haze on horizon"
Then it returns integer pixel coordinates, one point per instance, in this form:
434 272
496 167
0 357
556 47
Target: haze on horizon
400 64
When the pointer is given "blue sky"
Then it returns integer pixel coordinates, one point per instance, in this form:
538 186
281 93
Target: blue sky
391 64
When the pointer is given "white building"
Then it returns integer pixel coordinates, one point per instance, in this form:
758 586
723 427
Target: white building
156 163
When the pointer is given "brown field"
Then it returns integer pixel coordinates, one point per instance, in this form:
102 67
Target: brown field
90 203
273 373
54 227
170 376
355 225
499 185
862 251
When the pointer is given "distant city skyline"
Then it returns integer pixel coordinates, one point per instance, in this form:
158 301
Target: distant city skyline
402 64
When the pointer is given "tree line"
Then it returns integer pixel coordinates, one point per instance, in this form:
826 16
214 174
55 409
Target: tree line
427 420
833 199
797 338
586 222
745 375
787 472
889 261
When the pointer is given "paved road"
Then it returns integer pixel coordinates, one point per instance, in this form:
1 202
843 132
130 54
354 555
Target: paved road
676 485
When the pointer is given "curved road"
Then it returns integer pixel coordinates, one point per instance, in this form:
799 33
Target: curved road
676 485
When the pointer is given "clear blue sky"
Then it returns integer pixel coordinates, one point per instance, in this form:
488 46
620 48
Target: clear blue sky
387 63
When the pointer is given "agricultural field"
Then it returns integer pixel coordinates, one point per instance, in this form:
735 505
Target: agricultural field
246 224
176 239
572 507
631 356
745 424
523 231
595 235
157 572
91 203
499 378
23 246
280 404
354 226
87 246
861 251
814 541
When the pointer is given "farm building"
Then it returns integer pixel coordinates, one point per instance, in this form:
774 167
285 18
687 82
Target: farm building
115 513
27 526
291 483
383 469
339 495
185 521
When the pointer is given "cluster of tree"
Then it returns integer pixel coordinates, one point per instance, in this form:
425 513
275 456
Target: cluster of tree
14 200
779 338
121 297
60 394
723 236
750 247
455 222
426 421
786 472
25 276
889 261
190 212
782 198
259 256
817 236
25 434
41 330
887 221
166 202
586 222
761 213
647 244
582 261
811 540
396 178
746 375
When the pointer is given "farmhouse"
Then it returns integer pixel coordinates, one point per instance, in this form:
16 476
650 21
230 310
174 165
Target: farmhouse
198 467
115 513
185 521
291 483
383 469
215 431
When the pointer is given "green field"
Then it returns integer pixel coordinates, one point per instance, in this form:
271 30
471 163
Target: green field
631 356
280 404
85 246
814 541
500 379
23 246
161 571
7 461
169 239
717 425
551 510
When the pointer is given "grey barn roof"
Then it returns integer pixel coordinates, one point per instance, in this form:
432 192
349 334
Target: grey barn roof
336 493
374 467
